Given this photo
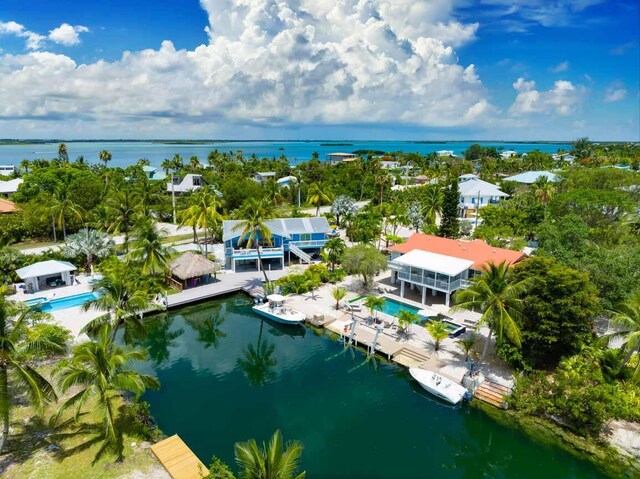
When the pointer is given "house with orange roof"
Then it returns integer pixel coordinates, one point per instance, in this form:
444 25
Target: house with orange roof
7 206
442 265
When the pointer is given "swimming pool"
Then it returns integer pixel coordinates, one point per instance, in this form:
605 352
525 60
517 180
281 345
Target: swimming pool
61 303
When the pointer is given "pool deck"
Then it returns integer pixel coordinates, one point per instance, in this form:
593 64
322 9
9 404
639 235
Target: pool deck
179 461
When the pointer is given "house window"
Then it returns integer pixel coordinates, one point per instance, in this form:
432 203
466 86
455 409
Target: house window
473 200
197 181
305 237
481 200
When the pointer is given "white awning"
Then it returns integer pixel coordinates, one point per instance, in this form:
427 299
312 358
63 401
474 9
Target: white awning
438 263
276 297
45 268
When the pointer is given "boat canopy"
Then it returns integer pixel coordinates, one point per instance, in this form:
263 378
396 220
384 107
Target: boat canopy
276 298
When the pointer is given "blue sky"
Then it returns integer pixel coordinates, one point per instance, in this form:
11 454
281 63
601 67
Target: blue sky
260 69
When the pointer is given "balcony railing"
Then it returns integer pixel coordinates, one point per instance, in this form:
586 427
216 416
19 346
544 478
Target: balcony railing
264 252
319 243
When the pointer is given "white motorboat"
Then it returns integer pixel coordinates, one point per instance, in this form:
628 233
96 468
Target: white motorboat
275 310
439 386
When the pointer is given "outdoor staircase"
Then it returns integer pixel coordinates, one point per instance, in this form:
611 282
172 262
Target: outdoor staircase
492 393
299 253
409 357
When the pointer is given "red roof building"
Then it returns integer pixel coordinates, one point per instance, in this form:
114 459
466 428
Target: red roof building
7 206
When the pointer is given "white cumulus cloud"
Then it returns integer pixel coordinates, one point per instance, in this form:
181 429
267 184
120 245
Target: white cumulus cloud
66 34
562 99
270 62
33 40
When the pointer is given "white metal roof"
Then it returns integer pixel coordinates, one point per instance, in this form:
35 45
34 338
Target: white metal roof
529 177
284 227
45 268
474 187
438 263
10 186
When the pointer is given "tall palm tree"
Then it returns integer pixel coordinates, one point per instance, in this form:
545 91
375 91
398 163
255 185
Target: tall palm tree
63 155
15 370
374 303
316 195
334 249
543 189
122 300
253 216
61 207
202 212
499 298
99 369
89 243
627 319
147 248
105 157
277 460
432 205
194 163
438 331
146 194
272 192
120 211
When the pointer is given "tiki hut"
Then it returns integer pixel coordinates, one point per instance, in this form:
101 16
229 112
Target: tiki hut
190 270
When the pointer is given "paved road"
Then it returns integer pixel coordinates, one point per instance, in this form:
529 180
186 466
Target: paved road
327 209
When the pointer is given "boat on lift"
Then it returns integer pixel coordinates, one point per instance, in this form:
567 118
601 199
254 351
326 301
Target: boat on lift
275 309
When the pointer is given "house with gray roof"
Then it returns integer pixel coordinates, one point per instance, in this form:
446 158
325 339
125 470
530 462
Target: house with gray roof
475 194
300 237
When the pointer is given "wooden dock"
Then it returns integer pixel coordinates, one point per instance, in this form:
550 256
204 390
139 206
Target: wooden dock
179 461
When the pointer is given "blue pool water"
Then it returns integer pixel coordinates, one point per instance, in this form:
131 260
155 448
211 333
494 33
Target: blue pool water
393 308
61 303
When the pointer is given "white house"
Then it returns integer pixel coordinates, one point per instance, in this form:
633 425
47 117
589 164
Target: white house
508 154
7 170
530 177
475 194
46 274
335 158
467 177
189 183
389 165
285 181
263 176
445 153
7 188
153 173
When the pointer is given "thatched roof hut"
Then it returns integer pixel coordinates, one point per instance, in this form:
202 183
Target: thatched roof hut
191 269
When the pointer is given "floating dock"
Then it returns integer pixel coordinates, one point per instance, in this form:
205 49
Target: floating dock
179 461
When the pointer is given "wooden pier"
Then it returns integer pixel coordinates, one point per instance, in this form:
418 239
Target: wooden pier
179 461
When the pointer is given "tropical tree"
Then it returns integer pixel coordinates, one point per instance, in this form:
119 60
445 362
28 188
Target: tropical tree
120 210
317 196
61 207
253 229
374 303
194 163
89 243
99 369
364 260
437 329
273 192
338 293
450 224
334 249
202 213
105 157
405 320
148 249
63 155
415 216
123 300
466 343
277 460
543 189
258 362
432 204
494 294
343 207
626 317
16 374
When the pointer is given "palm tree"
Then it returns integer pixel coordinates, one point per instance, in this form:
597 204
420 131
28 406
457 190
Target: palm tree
432 205
277 460
466 343
202 212
90 244
16 375
253 215
543 189
406 319
25 165
499 298
338 293
105 157
99 369
122 300
374 303
438 331
627 319
316 195
166 165
61 207
334 249
63 155
147 248
120 211
272 192
194 163
257 361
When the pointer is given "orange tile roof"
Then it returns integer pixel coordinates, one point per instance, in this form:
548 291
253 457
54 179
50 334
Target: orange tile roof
477 250
7 206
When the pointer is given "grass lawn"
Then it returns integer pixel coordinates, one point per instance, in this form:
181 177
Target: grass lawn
37 450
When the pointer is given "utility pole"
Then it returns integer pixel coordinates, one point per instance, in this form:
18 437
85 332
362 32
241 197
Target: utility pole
477 209
173 199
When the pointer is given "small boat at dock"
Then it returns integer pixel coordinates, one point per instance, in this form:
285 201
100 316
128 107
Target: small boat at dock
439 386
275 310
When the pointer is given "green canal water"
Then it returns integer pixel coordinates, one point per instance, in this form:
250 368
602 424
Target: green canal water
228 376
